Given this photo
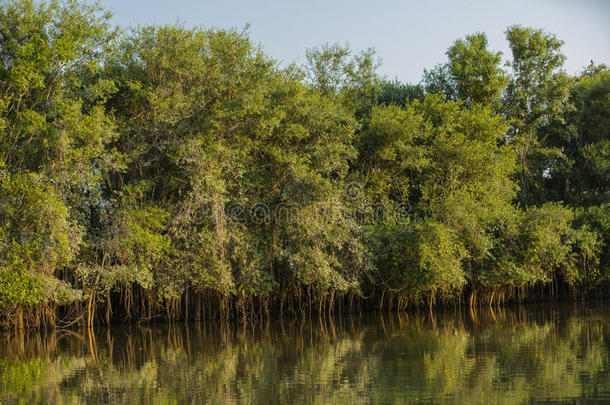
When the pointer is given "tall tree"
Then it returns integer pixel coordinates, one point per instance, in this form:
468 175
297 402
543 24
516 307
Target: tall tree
537 94
476 70
472 73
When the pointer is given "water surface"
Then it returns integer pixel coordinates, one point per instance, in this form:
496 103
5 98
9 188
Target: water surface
528 354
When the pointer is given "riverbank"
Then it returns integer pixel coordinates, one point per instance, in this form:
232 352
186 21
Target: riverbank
117 308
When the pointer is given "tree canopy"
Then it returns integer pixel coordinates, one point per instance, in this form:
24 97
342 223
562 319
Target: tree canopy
175 171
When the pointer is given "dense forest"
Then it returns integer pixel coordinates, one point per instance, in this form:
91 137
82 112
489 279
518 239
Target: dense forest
167 172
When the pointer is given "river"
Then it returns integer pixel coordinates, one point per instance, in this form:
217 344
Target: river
544 353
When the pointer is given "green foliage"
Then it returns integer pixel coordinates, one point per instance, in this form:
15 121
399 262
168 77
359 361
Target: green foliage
418 259
476 71
536 95
395 92
18 286
545 242
597 220
37 237
472 74
582 176
53 141
334 70
171 160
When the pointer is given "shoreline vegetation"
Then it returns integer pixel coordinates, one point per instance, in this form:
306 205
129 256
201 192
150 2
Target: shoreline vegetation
166 173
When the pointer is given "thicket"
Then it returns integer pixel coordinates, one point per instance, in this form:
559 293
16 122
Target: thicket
176 172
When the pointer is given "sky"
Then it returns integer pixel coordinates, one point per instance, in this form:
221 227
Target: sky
408 36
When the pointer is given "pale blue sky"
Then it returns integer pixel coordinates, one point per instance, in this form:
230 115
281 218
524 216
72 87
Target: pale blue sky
407 35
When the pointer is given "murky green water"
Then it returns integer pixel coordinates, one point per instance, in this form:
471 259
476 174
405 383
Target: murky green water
531 354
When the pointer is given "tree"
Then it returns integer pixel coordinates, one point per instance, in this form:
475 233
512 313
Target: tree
476 71
334 70
582 176
54 133
472 73
537 94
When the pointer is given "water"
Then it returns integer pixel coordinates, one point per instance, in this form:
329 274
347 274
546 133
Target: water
529 354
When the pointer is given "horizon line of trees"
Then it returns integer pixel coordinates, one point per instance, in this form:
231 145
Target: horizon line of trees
113 143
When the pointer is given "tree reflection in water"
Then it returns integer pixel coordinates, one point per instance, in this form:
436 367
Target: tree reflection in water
508 355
